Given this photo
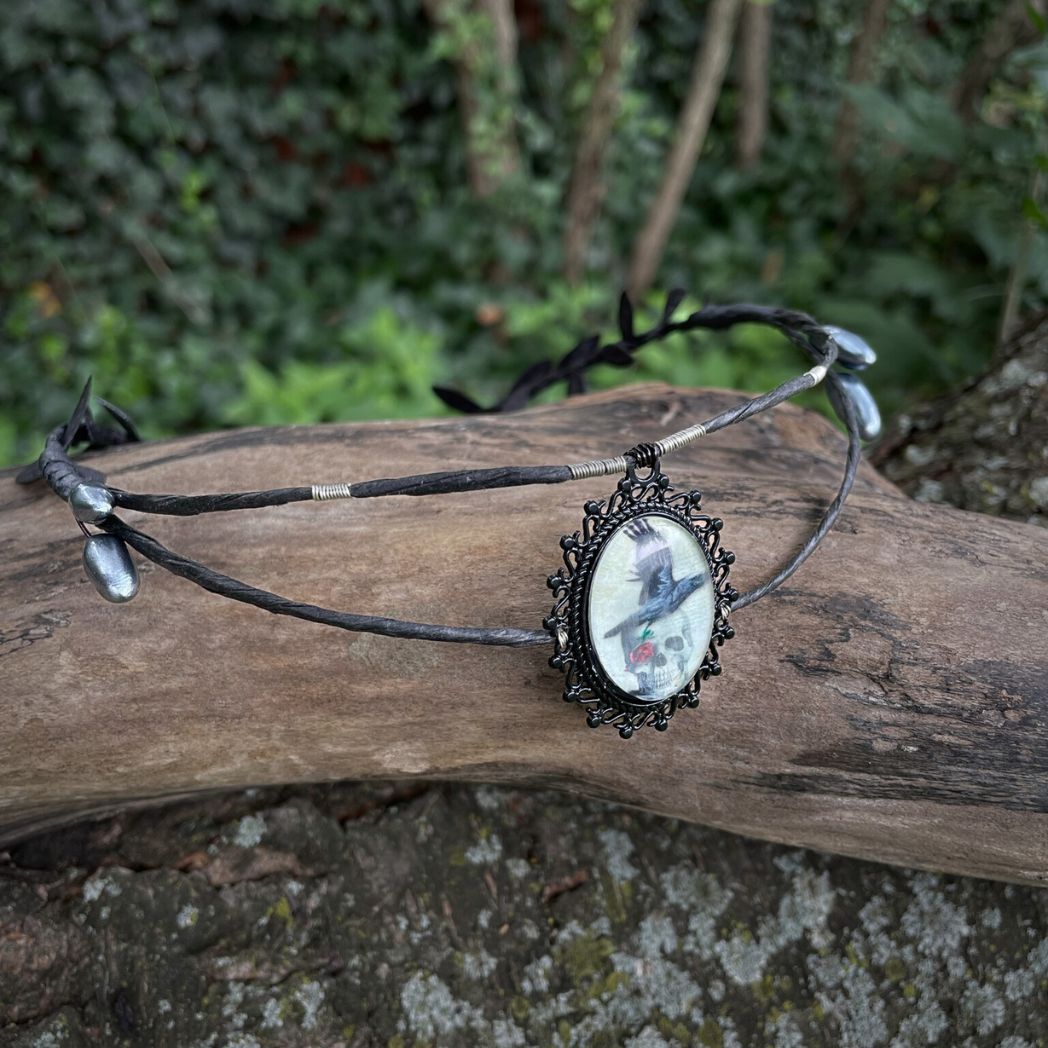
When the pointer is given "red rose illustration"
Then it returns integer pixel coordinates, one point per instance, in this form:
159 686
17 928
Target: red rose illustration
641 653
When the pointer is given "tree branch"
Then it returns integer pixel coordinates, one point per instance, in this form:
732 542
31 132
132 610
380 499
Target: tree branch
586 188
711 61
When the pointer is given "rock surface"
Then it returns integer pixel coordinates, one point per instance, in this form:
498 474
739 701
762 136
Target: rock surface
985 448
404 915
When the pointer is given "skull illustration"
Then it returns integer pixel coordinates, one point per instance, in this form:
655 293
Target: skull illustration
662 653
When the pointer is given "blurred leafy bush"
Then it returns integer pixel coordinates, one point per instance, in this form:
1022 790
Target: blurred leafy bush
237 211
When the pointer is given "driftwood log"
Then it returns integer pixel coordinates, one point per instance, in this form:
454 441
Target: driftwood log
890 701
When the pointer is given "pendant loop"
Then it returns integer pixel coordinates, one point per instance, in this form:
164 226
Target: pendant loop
644 455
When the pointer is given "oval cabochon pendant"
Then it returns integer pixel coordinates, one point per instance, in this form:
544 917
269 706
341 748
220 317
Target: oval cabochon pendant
641 605
650 607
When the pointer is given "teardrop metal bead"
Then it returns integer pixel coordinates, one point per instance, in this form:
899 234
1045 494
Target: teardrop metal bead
90 503
109 566
853 351
866 410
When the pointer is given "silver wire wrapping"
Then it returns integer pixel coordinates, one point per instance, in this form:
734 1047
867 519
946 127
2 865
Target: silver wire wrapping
326 492
607 467
597 467
676 441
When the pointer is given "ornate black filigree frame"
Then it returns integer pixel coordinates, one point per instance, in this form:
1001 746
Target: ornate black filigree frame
585 680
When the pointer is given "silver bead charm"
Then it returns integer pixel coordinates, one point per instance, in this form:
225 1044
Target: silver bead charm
109 566
852 351
90 503
866 410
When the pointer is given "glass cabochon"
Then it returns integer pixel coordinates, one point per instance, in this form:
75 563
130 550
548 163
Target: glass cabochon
651 607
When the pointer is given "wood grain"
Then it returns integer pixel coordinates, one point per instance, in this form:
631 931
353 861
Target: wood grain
890 701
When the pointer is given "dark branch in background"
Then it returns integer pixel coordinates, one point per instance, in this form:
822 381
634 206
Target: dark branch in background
861 70
485 66
754 69
586 187
707 75
1018 23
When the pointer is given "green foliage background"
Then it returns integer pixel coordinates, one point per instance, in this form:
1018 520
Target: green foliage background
256 211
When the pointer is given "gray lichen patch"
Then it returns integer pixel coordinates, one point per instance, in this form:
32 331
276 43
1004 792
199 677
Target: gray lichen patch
249 831
659 934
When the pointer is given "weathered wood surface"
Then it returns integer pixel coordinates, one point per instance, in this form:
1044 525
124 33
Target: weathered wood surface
891 701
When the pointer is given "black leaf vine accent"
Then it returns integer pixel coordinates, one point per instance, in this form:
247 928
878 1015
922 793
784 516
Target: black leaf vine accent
798 327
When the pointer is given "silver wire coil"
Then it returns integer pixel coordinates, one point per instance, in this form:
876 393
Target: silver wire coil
325 492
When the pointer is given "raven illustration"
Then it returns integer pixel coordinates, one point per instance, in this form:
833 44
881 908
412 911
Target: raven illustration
660 593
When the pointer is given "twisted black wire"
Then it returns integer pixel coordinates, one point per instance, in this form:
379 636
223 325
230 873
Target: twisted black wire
226 586
63 474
